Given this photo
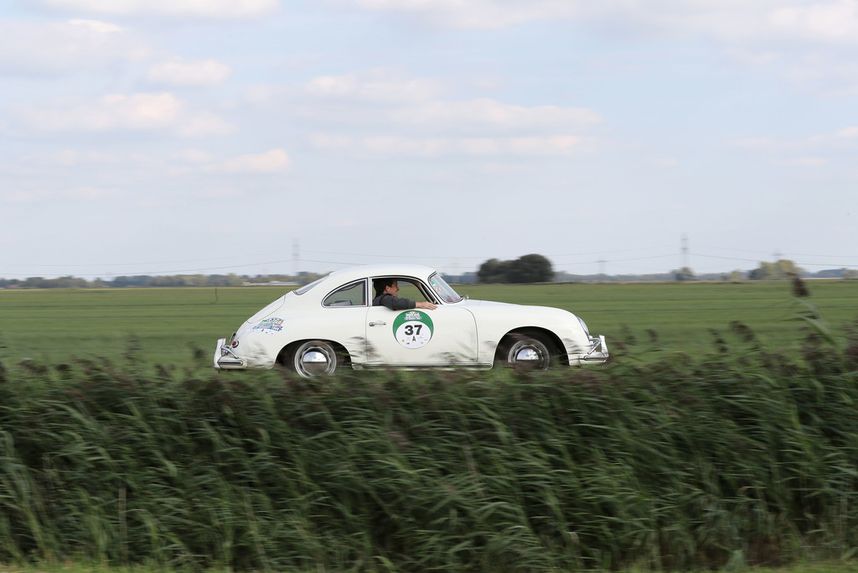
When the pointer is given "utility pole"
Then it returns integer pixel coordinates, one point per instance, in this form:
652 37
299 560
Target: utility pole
684 250
602 266
296 256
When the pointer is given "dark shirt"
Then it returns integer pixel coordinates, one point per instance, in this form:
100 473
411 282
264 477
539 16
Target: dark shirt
393 302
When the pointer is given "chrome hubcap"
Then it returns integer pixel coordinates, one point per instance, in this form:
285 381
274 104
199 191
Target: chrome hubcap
315 360
529 354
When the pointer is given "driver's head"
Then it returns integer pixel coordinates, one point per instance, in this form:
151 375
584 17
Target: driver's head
382 286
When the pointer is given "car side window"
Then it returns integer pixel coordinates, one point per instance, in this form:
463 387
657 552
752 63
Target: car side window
408 289
352 294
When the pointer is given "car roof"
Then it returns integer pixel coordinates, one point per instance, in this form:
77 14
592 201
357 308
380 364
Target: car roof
380 270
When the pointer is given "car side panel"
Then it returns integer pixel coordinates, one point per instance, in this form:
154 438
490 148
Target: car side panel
343 325
394 337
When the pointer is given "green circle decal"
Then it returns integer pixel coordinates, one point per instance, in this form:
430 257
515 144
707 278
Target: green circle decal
413 329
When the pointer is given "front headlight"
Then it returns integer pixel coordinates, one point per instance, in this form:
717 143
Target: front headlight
583 325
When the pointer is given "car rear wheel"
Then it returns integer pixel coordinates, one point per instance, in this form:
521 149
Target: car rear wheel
526 352
313 358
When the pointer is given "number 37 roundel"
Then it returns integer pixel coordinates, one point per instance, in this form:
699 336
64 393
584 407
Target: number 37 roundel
413 329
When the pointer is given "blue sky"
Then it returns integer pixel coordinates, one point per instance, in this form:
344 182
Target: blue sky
167 136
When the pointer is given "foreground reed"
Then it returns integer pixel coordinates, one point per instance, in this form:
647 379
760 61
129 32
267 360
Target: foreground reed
740 456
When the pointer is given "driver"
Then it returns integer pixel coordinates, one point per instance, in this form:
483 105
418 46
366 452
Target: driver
385 295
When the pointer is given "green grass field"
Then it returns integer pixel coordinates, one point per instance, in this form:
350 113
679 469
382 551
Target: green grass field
170 323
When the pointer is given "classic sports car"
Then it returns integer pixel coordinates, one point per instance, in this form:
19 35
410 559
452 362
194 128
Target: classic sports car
331 323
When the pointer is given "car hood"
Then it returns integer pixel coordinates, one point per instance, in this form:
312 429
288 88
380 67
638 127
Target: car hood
470 303
486 306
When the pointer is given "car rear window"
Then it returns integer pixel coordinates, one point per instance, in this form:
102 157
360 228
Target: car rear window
353 294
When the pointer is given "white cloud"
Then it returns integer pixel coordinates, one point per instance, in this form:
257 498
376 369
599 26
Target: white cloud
196 161
811 42
329 141
848 133
193 156
82 157
271 161
760 143
377 86
161 111
178 72
822 21
74 193
64 47
816 150
484 14
367 99
810 162
826 70
89 193
116 111
202 124
173 8
65 164
95 27
491 113
419 123
728 20
665 162
432 147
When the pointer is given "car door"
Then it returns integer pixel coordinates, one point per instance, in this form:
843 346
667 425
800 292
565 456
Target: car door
418 337
342 318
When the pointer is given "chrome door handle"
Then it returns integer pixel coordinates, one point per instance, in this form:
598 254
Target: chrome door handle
378 323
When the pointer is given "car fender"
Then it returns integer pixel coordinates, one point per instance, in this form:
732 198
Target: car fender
495 320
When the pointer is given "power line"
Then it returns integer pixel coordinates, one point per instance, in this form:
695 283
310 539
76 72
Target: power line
296 254
613 260
765 254
799 263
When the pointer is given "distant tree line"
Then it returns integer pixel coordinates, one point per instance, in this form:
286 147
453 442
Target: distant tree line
531 268
526 269
780 269
777 270
158 281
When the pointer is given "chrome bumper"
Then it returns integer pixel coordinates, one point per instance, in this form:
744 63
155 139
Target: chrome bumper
225 358
598 352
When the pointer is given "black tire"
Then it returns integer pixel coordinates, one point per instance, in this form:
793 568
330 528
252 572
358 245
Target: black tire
313 358
529 352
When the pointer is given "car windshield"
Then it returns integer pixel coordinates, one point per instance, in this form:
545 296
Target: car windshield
442 289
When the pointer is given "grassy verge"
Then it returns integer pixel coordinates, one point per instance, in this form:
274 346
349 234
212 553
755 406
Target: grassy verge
824 567
741 456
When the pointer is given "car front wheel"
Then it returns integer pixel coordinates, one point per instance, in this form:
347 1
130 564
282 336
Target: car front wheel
526 352
313 358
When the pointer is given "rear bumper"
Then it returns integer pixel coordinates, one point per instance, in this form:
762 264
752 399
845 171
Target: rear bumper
596 354
225 359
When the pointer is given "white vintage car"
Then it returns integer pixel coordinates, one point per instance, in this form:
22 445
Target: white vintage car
331 323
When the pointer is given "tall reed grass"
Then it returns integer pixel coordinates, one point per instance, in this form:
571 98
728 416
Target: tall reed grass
741 455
